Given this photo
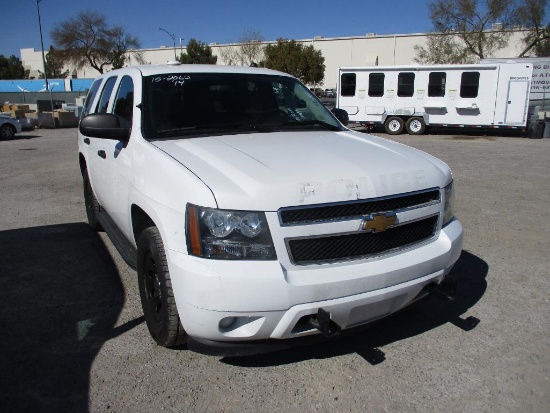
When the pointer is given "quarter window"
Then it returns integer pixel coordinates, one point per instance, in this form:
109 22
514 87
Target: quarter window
469 84
405 84
436 84
376 84
105 95
348 84
90 97
124 101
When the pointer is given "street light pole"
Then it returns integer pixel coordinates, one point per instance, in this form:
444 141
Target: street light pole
44 59
173 36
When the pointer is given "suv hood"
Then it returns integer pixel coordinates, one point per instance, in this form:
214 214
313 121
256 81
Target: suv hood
267 171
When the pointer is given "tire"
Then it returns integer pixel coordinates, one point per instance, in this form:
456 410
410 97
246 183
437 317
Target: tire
7 131
90 201
416 126
394 125
155 290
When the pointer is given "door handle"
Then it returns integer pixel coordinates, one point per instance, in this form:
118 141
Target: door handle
87 141
102 154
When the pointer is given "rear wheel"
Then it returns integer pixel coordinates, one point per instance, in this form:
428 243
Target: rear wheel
155 289
394 125
416 126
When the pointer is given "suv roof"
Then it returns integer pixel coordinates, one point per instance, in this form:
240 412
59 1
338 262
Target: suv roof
149 70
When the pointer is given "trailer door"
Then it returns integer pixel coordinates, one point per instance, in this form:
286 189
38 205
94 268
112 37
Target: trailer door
517 100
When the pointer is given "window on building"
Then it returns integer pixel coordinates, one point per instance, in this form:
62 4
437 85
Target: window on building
405 84
106 95
348 84
469 84
436 84
376 84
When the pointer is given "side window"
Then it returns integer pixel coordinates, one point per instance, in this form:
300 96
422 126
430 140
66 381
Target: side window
348 83
376 84
106 95
436 84
405 84
124 101
90 97
469 84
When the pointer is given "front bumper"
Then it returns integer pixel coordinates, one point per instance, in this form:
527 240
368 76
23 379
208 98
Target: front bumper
264 300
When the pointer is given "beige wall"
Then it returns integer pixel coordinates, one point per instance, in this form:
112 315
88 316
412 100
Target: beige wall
369 50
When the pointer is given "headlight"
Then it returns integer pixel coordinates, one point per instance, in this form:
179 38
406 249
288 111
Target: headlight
448 212
225 234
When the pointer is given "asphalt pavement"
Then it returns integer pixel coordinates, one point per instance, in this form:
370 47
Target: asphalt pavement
74 339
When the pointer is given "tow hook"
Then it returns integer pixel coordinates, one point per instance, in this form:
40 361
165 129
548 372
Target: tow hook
322 322
445 291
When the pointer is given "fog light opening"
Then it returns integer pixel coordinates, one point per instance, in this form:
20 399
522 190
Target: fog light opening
226 322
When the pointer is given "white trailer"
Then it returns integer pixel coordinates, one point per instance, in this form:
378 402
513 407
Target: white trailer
413 97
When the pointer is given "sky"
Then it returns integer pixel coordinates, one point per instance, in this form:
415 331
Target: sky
214 21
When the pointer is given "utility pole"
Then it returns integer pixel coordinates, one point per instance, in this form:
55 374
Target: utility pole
44 59
173 36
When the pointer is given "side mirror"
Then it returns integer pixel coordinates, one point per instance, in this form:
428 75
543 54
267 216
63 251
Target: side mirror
104 126
341 115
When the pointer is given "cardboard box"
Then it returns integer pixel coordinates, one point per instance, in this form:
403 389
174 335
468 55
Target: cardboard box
65 119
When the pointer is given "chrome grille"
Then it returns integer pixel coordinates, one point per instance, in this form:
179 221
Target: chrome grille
356 209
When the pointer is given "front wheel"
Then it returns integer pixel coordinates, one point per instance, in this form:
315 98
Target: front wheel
7 131
90 201
416 126
155 290
394 125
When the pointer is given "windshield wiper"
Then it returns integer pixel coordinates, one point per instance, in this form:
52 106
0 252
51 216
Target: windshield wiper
206 128
313 122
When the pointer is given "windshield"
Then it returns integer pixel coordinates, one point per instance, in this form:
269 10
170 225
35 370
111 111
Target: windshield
197 104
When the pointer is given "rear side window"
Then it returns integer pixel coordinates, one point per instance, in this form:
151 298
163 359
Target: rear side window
436 84
376 84
469 85
106 95
124 101
405 84
90 97
348 84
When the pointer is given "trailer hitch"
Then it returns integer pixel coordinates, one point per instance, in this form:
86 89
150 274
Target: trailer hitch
446 290
322 322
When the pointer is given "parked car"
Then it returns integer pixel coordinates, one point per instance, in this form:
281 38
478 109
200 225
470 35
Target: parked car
252 215
9 126
330 93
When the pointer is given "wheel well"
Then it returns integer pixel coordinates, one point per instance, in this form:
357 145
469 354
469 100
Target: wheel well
140 221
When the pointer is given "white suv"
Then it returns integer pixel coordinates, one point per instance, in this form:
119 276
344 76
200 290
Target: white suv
251 213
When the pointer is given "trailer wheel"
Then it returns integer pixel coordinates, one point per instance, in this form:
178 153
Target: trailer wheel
394 125
416 126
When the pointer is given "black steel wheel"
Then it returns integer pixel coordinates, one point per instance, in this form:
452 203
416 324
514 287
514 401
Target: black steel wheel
155 289
90 201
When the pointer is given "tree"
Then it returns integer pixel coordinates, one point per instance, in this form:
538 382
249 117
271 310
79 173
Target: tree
198 52
468 30
87 40
12 68
248 50
531 15
54 66
303 62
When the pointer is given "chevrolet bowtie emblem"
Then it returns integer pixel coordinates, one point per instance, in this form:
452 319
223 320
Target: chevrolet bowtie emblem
378 222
